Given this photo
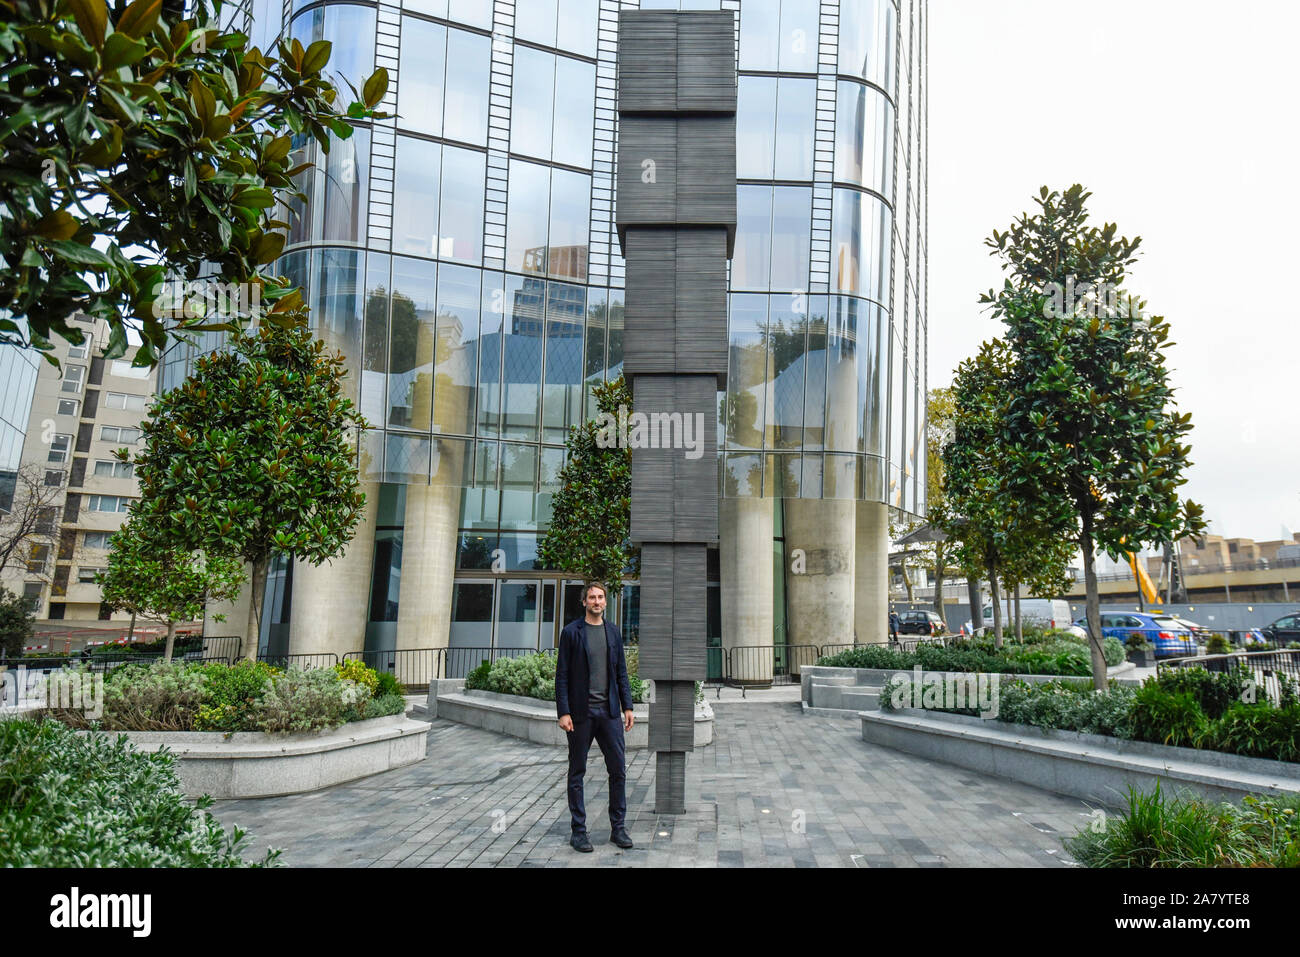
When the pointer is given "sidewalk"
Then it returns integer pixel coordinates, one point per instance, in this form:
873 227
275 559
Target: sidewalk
777 789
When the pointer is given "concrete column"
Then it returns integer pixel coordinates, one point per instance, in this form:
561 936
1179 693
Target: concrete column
819 561
330 603
428 565
745 559
236 612
871 585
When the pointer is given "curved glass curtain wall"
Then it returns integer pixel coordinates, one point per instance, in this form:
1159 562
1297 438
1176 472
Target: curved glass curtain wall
472 375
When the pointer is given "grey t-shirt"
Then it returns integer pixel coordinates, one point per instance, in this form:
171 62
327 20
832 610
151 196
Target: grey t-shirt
598 667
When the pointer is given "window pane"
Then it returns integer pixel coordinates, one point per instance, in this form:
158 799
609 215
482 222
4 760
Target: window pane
518 485
867 41
436 8
760 34
336 309
791 227
411 328
864 138
747 372
422 70
860 244
535 21
460 226
787 344
796 106
570 208
577 31
469 61
415 206
344 190
522 337
492 311
532 102
375 361
454 376
477 13
527 217
576 83
562 400
749 267
755 132
799 32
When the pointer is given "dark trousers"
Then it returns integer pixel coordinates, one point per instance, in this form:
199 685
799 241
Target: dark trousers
608 733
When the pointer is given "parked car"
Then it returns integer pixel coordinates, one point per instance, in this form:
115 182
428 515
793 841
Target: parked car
1283 631
920 623
1047 612
1169 637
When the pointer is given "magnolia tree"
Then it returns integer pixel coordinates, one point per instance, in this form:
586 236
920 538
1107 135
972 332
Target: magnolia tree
163 583
255 455
1090 422
1003 536
140 146
591 514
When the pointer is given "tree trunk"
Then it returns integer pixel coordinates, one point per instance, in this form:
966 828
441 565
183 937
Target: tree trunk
130 635
907 583
171 640
1020 634
997 604
938 584
254 633
976 603
1093 604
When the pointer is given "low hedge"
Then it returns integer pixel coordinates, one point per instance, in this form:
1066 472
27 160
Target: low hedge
533 676
1190 708
246 696
1048 653
69 800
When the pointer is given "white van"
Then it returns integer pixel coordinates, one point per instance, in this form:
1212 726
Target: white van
1047 612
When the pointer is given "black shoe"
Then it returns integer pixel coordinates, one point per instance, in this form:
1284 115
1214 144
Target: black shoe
580 842
619 836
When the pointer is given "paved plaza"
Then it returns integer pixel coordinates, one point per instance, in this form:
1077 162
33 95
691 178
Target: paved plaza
776 789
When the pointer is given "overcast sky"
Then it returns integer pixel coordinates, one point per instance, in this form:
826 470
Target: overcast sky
1181 120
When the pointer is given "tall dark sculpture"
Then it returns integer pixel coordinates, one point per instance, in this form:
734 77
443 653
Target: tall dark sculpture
677 227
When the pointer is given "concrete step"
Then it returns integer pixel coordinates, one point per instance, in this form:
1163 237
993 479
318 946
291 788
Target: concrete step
861 700
844 697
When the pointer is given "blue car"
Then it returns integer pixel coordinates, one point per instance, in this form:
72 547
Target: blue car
1169 638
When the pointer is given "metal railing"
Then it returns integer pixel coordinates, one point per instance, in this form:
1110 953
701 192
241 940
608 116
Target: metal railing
414 668
304 662
459 662
1272 669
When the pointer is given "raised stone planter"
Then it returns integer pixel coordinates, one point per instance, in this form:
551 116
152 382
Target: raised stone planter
252 764
844 692
1091 767
534 720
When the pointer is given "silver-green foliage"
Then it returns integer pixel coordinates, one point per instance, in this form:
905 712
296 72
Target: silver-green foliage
69 800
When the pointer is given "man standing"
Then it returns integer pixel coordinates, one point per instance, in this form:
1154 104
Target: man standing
591 691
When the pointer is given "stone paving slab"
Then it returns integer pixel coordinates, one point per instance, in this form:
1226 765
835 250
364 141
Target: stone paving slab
778 788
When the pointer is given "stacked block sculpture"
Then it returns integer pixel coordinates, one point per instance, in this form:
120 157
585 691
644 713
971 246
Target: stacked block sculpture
676 221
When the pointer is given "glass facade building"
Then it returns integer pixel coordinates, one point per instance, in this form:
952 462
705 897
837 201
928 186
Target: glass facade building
462 254
18 370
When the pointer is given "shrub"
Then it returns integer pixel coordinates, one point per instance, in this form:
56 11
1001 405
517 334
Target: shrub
1258 731
1157 831
159 697
69 800
1217 645
1167 717
232 692
478 678
1112 651
311 700
386 683
1214 692
532 676
1068 706
379 707
1136 641
356 670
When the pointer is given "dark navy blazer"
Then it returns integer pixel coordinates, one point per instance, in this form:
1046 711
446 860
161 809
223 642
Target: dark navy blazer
573 674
